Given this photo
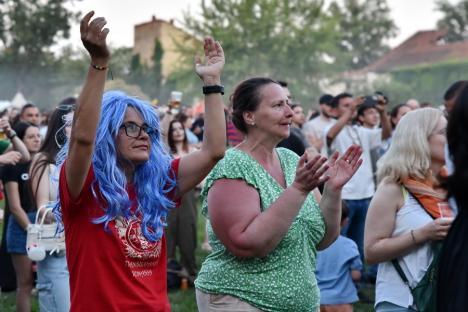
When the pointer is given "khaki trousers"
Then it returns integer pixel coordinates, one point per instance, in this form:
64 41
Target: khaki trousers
222 303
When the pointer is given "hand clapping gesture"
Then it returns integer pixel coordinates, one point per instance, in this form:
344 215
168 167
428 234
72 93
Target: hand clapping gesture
342 169
210 70
310 173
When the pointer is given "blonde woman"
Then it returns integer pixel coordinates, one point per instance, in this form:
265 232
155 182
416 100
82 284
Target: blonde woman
404 215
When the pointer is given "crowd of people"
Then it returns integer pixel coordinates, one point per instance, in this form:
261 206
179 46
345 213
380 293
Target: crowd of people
301 209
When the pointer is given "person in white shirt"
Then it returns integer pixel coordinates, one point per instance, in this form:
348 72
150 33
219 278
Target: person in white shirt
314 128
358 192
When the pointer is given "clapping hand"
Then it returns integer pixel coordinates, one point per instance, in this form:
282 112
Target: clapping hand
343 168
93 36
210 70
310 173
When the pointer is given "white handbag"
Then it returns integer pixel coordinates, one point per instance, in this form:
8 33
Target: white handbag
42 238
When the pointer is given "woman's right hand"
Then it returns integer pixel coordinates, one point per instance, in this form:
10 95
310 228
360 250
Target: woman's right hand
93 36
310 173
436 230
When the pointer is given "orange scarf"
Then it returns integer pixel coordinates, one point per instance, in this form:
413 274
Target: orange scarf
433 202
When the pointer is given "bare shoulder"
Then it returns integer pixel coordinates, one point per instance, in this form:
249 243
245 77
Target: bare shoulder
390 192
37 158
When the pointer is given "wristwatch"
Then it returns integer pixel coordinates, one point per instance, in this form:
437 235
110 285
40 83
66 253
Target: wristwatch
213 89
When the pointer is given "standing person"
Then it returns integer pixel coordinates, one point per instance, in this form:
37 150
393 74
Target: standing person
12 151
338 268
453 273
52 272
314 128
358 192
404 217
187 122
451 95
118 183
264 221
368 115
182 222
396 114
30 113
21 206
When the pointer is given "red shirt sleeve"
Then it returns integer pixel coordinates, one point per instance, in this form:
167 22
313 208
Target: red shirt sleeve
65 197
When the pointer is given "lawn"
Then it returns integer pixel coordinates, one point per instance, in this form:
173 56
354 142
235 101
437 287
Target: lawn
181 300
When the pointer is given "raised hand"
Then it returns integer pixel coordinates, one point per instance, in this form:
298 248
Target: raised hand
381 103
210 70
93 36
310 174
358 101
342 169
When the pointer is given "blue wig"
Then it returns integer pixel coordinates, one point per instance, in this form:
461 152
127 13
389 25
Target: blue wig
152 180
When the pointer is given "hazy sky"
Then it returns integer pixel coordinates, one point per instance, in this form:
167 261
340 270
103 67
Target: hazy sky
122 15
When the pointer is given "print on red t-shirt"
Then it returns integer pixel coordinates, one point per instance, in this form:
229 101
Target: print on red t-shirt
141 255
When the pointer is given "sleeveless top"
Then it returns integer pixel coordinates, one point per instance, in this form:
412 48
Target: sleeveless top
284 280
389 285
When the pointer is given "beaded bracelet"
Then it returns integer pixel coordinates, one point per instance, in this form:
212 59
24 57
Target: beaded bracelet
97 67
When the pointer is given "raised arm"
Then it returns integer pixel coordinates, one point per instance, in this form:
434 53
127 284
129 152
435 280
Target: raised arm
88 111
344 119
16 144
195 166
239 223
384 120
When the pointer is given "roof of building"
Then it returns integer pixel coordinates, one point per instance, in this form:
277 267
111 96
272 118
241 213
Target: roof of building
424 47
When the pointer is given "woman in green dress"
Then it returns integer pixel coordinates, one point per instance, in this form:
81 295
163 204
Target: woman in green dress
265 224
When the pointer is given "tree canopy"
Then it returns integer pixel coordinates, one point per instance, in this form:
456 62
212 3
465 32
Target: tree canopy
28 30
299 41
364 28
454 19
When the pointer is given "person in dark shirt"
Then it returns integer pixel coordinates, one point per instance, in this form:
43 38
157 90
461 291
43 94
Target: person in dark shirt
20 204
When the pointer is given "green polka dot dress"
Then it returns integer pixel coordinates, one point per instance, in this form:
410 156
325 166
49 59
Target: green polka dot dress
284 280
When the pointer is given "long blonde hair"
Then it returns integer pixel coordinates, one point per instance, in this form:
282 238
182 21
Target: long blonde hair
409 154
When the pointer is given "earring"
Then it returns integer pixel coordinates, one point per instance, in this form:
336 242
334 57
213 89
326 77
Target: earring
253 123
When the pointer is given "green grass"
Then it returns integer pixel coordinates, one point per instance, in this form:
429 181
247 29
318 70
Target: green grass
181 300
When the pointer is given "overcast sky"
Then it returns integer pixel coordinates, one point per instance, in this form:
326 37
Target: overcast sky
409 15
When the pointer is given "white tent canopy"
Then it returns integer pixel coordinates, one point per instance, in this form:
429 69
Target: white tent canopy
18 100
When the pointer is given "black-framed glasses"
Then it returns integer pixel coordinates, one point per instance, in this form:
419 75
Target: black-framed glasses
134 131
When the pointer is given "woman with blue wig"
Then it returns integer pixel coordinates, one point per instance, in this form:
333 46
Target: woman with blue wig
118 183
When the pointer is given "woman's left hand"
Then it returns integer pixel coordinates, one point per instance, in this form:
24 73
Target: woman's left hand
210 70
342 169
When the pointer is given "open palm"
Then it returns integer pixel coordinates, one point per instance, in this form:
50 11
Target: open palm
214 60
342 169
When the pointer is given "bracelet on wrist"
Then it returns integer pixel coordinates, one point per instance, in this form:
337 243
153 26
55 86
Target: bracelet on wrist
213 89
98 67
11 134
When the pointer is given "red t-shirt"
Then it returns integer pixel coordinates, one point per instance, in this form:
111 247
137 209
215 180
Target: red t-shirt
115 269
